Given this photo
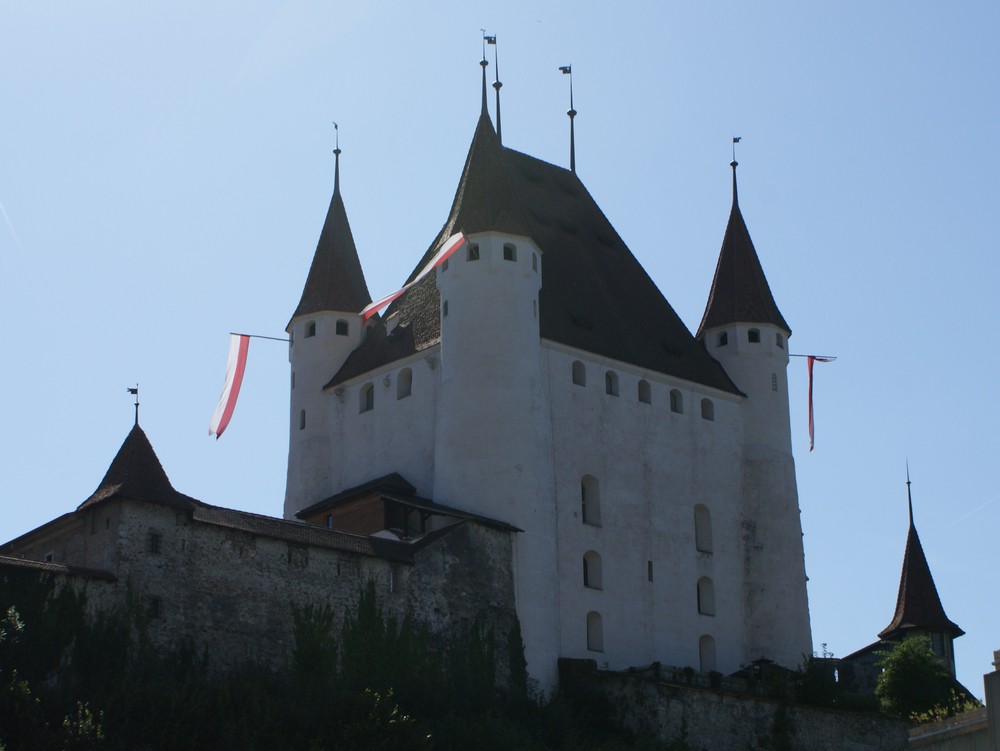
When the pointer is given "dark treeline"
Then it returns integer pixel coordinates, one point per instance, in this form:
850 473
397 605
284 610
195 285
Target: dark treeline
72 682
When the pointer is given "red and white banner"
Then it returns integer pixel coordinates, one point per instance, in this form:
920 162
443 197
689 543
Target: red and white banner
810 359
239 344
450 245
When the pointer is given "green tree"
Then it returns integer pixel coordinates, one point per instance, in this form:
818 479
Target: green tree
913 680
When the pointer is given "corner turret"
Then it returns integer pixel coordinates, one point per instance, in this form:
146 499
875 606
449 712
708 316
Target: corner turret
743 329
323 331
918 607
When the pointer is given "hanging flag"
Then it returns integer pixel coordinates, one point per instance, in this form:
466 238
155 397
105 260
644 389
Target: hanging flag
810 359
238 346
566 69
450 245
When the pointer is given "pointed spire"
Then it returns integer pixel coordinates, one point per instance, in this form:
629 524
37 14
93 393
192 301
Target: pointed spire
483 64
336 280
496 83
136 473
567 70
918 607
740 292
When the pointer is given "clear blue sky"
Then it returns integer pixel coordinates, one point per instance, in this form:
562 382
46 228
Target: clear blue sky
165 171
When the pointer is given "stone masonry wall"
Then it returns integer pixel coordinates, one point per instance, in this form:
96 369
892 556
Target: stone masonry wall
716 721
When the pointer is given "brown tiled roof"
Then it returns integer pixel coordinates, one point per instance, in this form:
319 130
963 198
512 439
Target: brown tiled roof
917 603
136 473
394 487
335 281
302 533
740 292
595 295
57 568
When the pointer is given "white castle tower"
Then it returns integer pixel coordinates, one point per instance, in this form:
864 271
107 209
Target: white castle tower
324 330
744 330
540 379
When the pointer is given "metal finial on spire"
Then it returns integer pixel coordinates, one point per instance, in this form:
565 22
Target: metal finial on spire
483 63
909 496
734 164
567 70
496 83
135 392
336 156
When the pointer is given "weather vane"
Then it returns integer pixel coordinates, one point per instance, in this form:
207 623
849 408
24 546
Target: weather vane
135 392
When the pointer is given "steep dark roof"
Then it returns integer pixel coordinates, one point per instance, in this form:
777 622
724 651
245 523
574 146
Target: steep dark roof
740 292
595 295
335 281
136 473
917 603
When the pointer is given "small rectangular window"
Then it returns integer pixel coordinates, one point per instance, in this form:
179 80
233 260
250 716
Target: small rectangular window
342 328
311 329
473 253
154 542
509 252
649 571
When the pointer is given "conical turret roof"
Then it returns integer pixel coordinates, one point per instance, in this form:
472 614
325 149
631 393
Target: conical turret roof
136 473
335 281
740 292
918 606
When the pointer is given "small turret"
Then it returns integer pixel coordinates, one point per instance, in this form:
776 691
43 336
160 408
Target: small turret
918 607
323 331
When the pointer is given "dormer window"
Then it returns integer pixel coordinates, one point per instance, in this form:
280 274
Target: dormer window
472 253
509 252
753 336
342 328
310 329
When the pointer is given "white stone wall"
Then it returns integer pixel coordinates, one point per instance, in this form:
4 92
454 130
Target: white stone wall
653 466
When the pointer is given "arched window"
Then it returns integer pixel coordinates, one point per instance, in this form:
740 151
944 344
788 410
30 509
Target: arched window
367 398
310 329
753 336
779 340
509 252
676 401
595 632
706 653
579 373
590 496
723 339
707 409
473 253
592 570
404 383
342 328
702 529
611 383
302 419
706 596
645 395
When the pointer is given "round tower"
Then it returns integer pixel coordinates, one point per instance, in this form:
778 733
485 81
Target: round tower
323 332
743 329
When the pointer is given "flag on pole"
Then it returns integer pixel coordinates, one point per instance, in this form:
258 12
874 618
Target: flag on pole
450 245
810 359
238 346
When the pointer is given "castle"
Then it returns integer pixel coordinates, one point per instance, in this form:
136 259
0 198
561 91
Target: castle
529 430
540 378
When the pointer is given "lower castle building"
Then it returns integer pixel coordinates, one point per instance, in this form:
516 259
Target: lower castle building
529 432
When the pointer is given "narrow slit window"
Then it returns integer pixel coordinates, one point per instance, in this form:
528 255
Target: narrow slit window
367 398
676 402
595 632
579 373
645 394
590 499
611 383
404 383
707 410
